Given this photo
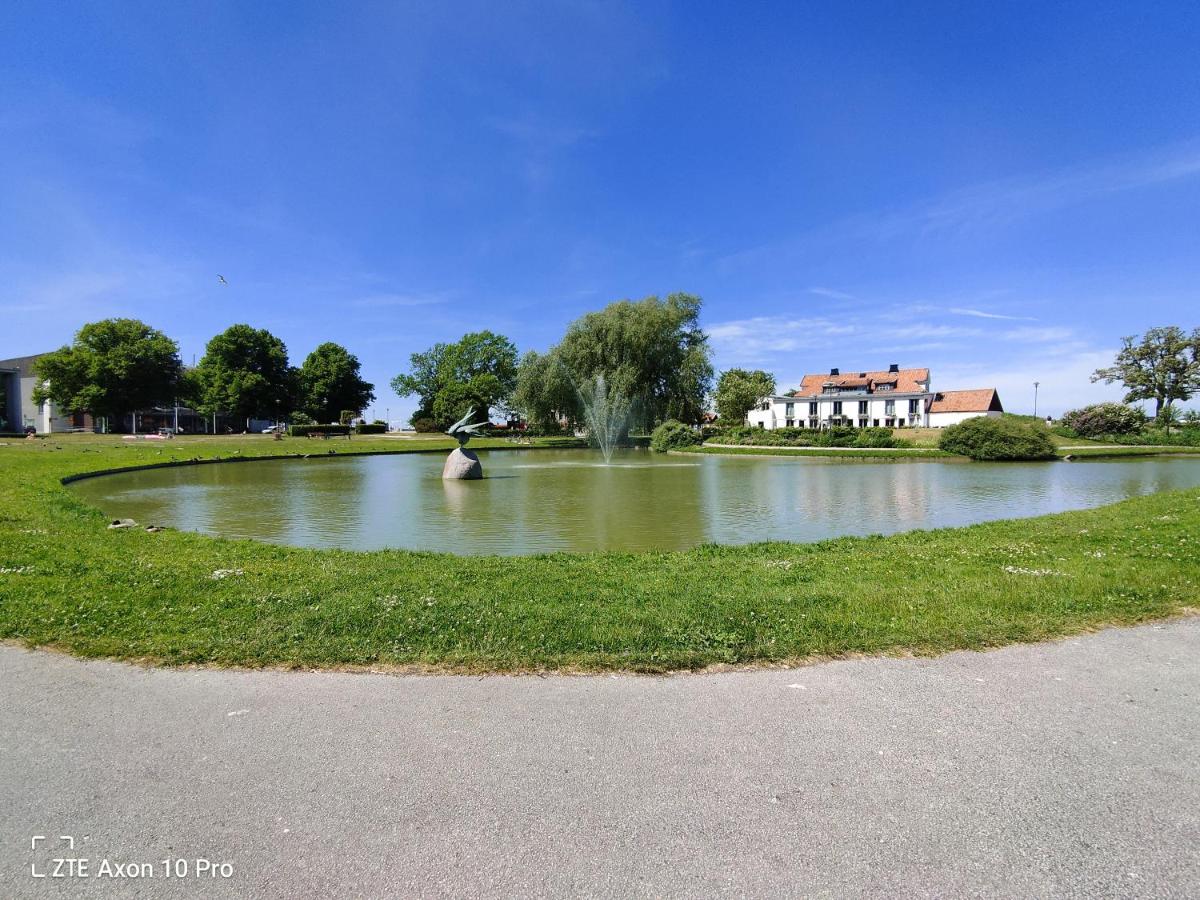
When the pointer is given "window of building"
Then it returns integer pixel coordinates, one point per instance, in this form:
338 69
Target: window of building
837 407
900 423
876 423
862 423
766 406
883 387
862 407
789 409
791 423
812 409
889 407
812 423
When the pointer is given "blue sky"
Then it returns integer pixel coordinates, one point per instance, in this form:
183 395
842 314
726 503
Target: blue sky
996 190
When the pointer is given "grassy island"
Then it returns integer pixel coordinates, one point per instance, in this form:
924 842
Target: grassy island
69 582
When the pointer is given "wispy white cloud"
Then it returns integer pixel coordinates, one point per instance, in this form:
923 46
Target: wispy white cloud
983 314
990 205
746 341
1046 335
1064 379
831 293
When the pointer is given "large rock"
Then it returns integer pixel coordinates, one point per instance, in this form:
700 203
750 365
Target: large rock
462 464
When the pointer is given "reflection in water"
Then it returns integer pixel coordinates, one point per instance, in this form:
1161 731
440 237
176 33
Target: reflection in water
545 500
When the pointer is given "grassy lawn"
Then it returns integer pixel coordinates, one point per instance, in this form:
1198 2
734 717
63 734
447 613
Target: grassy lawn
170 597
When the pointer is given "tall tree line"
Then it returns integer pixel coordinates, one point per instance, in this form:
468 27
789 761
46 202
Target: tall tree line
118 366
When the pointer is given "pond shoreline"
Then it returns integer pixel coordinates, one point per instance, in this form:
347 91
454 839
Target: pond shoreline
177 598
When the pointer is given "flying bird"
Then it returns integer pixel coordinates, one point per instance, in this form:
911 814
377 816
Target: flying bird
221 278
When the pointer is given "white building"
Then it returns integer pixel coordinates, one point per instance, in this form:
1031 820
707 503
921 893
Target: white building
896 398
17 409
952 407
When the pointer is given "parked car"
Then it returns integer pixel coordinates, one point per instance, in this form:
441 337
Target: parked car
275 429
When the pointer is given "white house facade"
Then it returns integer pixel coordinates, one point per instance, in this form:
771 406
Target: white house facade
17 409
895 398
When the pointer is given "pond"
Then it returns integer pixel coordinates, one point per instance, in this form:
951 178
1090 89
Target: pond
540 501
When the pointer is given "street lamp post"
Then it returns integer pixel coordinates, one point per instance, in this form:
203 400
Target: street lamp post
1035 390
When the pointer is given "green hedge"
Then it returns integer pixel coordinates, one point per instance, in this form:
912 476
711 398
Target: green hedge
373 428
306 430
838 436
984 438
1177 437
672 435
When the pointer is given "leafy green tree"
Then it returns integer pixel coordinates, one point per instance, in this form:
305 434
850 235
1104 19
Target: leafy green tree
244 372
1163 365
328 382
113 367
544 394
738 390
477 372
652 350
1169 418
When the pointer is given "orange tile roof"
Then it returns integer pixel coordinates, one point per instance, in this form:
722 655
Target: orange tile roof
980 400
905 381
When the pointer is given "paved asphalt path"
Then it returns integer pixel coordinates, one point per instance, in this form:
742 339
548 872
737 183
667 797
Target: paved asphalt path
1062 769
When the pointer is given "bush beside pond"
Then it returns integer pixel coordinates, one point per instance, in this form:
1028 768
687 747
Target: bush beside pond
984 438
1103 419
838 436
672 435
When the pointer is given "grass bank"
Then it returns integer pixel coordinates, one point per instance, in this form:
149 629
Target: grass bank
67 581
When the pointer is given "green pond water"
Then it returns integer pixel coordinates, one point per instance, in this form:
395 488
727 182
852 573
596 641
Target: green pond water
540 501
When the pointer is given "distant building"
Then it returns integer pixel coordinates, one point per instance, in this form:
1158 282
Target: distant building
895 398
17 409
952 407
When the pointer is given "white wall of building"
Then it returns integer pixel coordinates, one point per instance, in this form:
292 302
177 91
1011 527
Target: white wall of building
783 412
942 419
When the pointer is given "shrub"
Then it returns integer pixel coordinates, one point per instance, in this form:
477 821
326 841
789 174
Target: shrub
672 435
425 425
838 436
299 418
985 438
544 429
1105 418
306 430
1177 437
373 428
877 437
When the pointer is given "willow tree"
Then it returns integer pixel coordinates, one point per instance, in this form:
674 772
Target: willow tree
651 350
